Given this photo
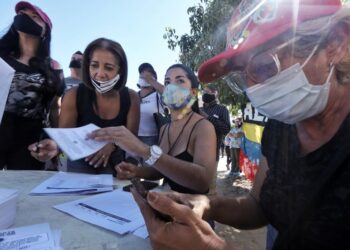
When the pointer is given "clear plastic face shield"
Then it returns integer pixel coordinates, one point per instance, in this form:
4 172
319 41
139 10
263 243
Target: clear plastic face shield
261 58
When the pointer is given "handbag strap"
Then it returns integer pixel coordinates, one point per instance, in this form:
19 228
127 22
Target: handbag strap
157 101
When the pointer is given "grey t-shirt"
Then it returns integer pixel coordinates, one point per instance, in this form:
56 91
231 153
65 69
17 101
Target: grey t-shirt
71 82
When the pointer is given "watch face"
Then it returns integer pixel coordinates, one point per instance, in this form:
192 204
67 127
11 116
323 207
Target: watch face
157 150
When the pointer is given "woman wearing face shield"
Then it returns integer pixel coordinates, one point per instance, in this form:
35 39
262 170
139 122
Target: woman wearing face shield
292 60
185 156
35 88
103 99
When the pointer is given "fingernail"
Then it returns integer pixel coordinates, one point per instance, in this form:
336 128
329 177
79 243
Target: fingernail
152 196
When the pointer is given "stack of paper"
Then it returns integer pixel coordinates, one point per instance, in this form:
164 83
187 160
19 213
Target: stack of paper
64 183
8 198
32 237
116 211
73 141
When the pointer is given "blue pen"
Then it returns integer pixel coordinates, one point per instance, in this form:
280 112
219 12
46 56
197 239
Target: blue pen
2 239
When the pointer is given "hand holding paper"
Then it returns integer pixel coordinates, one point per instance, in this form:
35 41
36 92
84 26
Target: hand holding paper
74 142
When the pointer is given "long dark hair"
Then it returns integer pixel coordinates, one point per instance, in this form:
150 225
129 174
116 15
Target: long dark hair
116 49
194 82
9 47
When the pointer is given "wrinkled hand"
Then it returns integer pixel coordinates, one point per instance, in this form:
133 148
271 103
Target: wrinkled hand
186 231
123 138
126 170
101 157
44 150
198 203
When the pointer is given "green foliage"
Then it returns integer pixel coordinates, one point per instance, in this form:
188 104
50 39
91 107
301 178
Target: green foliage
208 20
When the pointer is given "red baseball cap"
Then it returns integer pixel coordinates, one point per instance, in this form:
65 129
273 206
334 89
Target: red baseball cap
26 5
255 22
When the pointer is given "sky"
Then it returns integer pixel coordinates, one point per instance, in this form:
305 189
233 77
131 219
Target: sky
138 25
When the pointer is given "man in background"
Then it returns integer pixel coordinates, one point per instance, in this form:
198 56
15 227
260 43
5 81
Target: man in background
75 71
219 116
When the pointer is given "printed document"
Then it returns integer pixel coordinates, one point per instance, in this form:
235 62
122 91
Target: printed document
116 211
64 183
73 141
6 76
34 237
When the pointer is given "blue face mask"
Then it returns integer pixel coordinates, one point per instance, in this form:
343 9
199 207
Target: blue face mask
176 97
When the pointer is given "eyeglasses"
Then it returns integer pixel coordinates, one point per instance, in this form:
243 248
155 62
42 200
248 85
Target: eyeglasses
259 68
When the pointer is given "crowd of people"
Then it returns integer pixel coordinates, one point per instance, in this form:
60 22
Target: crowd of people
290 58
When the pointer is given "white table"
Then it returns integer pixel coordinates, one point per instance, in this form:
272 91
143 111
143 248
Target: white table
76 234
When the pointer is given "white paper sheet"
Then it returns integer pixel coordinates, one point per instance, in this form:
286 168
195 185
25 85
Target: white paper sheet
6 76
64 183
73 142
34 237
141 232
116 211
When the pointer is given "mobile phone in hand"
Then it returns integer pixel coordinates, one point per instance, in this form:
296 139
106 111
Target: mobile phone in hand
139 187
132 160
143 192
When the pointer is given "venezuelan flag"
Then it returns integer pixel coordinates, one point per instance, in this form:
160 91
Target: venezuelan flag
250 152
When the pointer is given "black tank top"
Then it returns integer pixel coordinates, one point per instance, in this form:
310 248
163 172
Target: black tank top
86 114
185 156
86 98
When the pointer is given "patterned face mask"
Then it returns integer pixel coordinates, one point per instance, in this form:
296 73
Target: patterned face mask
176 97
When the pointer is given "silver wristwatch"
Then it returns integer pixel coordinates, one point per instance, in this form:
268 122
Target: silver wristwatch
156 152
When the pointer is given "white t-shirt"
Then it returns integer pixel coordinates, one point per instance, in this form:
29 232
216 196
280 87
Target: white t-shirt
148 106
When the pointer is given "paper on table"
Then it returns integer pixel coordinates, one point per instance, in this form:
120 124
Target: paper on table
6 76
32 237
8 198
116 211
73 142
141 232
64 183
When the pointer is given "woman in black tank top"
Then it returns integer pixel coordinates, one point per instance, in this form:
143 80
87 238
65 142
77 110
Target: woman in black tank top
103 100
188 142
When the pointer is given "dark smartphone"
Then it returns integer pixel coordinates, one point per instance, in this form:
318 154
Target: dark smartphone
132 160
148 185
140 188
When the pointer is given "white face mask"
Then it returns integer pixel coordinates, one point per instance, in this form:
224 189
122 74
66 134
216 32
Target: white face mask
103 87
143 83
289 97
